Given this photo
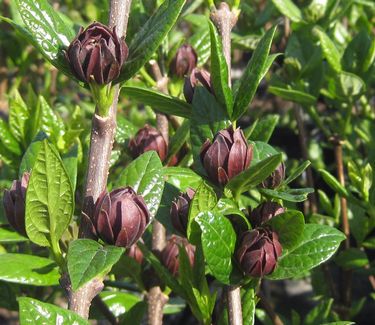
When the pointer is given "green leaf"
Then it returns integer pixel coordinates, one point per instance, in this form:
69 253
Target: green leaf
352 258
290 195
289 9
29 158
262 150
201 42
182 177
87 260
49 198
219 71
158 101
254 175
204 200
135 314
333 183
119 302
50 33
264 128
7 236
320 313
296 96
228 207
70 160
289 226
208 118
249 301
317 245
148 39
218 242
8 140
34 311
253 75
330 51
178 139
18 117
145 176
297 172
28 269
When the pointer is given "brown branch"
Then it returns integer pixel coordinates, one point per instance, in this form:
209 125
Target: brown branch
269 309
102 137
233 294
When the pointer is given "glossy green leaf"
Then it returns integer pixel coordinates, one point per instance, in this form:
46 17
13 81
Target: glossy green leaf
317 245
125 129
145 176
253 75
201 42
29 158
208 118
249 301
297 172
333 183
289 9
204 200
148 39
264 128
158 101
49 199
182 177
289 226
330 51
8 236
228 207
296 96
28 269
290 195
70 160
8 140
119 302
18 117
33 312
180 137
352 258
219 71
218 242
261 151
255 174
87 259
50 33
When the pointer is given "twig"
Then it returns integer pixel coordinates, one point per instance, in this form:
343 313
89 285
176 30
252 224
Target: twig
269 309
99 303
225 19
156 299
102 137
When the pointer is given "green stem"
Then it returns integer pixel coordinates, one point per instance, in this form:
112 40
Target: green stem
56 251
236 4
147 77
211 3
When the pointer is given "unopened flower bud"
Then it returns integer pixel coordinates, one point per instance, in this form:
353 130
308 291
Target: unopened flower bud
14 204
170 254
184 61
180 211
275 179
265 212
120 217
228 155
97 52
135 253
197 77
147 139
258 252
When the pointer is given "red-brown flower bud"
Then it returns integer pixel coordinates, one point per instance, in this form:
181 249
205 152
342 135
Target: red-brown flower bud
97 52
135 253
265 212
197 76
146 139
275 179
228 155
258 252
180 211
120 217
184 61
170 254
14 204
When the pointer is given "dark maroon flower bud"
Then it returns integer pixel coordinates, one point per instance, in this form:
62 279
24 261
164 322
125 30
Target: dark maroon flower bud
275 179
135 253
180 211
265 212
197 77
146 139
97 52
258 252
170 254
228 155
120 217
184 61
14 204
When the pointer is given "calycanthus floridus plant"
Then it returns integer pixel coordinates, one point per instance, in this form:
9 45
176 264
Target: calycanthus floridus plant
145 176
